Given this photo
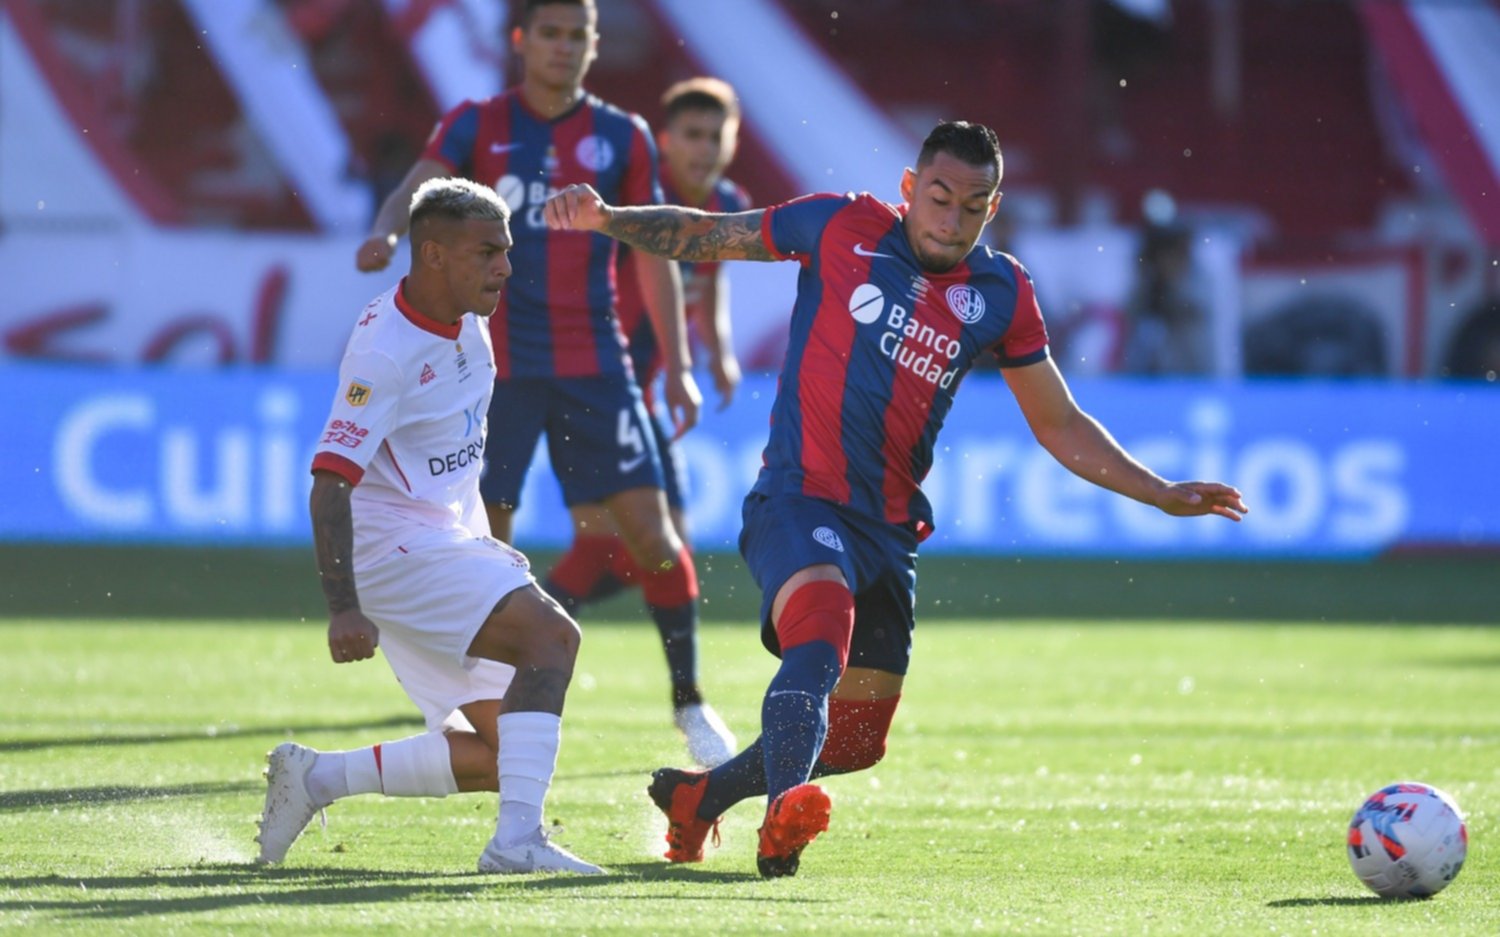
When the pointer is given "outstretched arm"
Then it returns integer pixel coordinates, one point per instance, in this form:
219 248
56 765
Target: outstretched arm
661 290
665 230
351 636
1086 448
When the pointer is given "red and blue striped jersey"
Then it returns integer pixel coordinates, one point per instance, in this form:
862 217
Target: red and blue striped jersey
635 321
556 317
878 347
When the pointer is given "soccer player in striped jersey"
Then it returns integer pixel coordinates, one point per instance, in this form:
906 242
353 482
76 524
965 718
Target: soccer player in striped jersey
407 562
697 142
561 362
894 304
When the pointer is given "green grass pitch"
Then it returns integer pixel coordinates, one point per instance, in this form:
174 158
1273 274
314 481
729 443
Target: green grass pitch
1060 777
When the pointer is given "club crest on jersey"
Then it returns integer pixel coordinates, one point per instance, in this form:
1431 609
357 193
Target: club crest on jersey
428 375
828 538
966 302
594 153
358 393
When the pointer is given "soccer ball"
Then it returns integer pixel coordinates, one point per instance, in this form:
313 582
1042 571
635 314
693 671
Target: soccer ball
1407 841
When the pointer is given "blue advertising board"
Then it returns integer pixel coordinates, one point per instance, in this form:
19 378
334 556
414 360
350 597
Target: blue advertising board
1330 470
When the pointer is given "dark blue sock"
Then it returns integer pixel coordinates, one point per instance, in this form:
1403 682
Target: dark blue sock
739 778
794 715
743 777
678 627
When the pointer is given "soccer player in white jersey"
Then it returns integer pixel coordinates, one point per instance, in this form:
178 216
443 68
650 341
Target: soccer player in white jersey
484 653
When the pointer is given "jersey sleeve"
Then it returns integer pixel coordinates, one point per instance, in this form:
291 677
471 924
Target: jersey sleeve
791 230
363 414
452 140
1025 341
641 185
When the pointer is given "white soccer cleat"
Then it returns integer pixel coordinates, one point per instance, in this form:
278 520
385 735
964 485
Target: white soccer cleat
289 807
709 741
535 853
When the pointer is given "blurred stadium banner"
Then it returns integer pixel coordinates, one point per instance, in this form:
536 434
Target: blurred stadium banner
1332 470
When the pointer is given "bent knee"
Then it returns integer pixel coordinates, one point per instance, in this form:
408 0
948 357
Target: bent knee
559 634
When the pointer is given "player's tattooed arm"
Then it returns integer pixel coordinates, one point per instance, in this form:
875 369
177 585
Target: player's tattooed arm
333 538
690 234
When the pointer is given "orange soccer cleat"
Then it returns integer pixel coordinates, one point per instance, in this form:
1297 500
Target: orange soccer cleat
677 794
793 820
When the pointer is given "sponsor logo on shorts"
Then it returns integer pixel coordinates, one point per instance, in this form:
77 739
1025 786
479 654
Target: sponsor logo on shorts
633 463
358 393
828 538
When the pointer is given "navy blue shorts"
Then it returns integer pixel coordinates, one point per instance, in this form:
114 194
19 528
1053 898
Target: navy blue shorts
599 437
786 533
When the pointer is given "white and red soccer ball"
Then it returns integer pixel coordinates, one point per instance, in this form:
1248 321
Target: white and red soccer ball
1407 840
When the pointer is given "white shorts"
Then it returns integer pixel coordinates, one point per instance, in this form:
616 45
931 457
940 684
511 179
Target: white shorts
429 598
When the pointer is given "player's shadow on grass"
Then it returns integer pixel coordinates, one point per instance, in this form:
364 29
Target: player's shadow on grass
16 801
1332 901
644 871
213 734
361 887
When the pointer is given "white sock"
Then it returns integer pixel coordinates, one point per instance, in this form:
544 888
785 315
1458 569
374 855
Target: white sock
419 766
326 780
526 761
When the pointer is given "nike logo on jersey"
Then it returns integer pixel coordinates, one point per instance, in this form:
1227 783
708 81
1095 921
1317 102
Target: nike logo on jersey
633 463
504 147
862 251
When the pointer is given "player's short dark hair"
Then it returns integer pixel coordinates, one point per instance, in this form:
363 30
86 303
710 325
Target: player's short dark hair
531 6
701 94
454 199
975 144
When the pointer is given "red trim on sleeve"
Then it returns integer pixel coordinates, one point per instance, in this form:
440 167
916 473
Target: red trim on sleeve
338 465
765 234
1027 334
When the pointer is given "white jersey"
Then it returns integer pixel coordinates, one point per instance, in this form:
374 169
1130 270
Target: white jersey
408 423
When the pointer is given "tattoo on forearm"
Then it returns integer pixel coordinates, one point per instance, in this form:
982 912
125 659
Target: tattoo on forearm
689 234
333 538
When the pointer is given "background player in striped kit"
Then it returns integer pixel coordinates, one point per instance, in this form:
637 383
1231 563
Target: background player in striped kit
894 304
561 362
405 555
698 138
